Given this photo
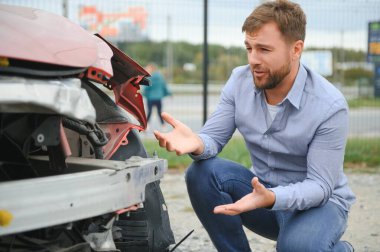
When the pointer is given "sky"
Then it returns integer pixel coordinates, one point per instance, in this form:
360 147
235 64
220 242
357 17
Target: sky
329 22
341 23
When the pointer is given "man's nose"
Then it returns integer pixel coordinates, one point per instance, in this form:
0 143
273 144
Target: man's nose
253 58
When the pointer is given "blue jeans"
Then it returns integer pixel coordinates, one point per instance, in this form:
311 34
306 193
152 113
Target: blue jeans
217 181
158 105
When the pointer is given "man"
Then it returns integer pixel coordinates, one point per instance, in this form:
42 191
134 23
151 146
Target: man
294 123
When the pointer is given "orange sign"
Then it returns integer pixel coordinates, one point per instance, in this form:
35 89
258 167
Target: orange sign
107 24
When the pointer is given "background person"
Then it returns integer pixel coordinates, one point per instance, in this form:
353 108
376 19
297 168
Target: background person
155 93
294 123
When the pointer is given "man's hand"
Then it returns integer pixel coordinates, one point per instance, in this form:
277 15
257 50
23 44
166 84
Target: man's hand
181 139
259 198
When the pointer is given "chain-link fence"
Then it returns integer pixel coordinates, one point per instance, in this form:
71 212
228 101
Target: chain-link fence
170 33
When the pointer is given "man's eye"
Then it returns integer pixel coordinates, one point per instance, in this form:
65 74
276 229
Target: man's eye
248 49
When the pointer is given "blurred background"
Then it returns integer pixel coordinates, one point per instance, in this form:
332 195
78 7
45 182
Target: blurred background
342 44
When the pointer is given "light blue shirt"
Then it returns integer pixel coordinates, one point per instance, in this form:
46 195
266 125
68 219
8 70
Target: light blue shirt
299 153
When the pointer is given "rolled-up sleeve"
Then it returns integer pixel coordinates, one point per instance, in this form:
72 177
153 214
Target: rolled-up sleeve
210 148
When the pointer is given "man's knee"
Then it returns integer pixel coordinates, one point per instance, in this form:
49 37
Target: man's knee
297 243
293 244
198 171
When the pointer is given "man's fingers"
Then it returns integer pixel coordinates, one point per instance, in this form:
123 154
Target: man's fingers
256 184
158 135
162 143
267 197
169 119
225 209
161 139
220 209
169 147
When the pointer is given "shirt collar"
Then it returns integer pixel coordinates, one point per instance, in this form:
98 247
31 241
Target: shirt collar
295 94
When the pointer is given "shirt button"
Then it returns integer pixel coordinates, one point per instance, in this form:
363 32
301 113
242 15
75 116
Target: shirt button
269 152
265 136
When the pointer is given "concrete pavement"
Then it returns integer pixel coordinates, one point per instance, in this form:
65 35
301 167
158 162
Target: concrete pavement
188 108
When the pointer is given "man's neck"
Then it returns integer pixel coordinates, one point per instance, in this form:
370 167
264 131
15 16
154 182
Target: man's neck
277 95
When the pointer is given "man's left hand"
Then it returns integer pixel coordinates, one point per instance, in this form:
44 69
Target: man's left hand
260 197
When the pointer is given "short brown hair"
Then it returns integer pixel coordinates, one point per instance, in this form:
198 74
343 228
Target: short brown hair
289 17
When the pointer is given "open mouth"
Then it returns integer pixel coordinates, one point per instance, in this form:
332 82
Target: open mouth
259 74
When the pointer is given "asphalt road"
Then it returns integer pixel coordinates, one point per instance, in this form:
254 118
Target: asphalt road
364 122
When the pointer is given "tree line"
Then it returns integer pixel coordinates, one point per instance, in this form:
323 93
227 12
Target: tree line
223 59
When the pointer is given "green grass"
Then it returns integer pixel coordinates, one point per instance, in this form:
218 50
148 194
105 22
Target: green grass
174 161
361 154
235 150
370 102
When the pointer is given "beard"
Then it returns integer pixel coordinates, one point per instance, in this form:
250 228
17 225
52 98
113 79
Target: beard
273 78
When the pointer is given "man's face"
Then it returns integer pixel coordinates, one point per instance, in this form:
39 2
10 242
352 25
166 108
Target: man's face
269 56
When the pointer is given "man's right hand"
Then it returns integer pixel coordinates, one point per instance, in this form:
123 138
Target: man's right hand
181 139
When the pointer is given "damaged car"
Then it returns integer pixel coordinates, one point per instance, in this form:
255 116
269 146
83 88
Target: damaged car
74 173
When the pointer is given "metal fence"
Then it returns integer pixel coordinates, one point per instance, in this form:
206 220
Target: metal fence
338 24
330 23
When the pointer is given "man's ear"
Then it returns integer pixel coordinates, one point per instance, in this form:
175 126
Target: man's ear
297 49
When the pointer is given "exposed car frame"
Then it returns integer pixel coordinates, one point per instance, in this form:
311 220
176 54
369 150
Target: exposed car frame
74 174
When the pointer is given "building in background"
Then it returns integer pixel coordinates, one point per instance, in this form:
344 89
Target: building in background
124 25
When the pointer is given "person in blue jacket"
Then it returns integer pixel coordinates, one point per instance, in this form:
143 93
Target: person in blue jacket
157 90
